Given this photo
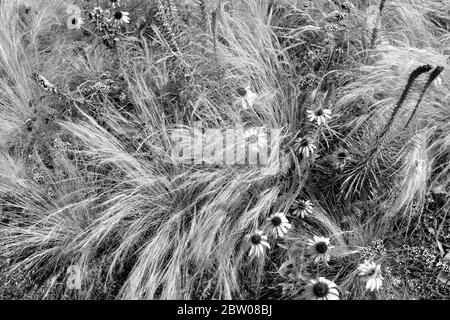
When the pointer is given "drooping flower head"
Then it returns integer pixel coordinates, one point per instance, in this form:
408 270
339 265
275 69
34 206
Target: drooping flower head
75 23
302 208
305 147
339 159
114 3
372 274
246 97
319 247
319 115
258 241
279 224
121 17
321 289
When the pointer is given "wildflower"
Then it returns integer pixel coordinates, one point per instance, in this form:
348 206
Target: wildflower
305 147
258 241
372 272
319 115
114 3
121 17
339 159
44 83
279 223
75 23
302 208
247 97
322 289
319 247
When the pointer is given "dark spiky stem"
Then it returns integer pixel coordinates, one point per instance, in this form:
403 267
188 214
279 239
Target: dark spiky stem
214 32
436 72
375 30
412 78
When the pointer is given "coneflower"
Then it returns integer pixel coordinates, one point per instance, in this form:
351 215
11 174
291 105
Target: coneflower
121 17
321 289
318 248
305 147
246 97
372 274
258 241
320 115
114 3
279 224
302 208
339 159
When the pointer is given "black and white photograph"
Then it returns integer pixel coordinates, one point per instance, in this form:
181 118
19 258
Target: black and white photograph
234 157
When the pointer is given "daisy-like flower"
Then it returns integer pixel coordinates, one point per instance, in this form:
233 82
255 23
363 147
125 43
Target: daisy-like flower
372 272
258 241
318 248
121 17
302 208
279 224
339 159
256 139
114 3
305 147
247 97
319 115
75 23
322 289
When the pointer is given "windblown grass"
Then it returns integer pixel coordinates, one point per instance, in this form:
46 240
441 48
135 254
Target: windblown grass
87 177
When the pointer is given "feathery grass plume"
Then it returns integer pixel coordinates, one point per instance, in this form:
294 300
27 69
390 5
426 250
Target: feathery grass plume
413 175
412 78
434 74
375 29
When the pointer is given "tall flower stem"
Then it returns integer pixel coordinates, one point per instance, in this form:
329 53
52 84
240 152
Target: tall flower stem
436 72
412 78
